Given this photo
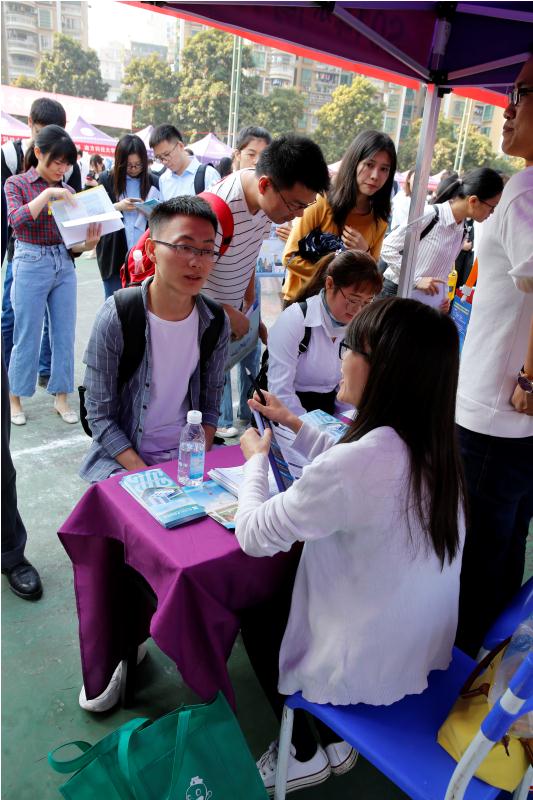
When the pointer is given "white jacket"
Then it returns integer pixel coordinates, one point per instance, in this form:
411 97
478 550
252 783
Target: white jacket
372 611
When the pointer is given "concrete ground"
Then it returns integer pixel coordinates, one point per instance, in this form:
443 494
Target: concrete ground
41 675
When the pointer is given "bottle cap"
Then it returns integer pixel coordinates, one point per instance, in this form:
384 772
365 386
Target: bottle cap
194 417
137 255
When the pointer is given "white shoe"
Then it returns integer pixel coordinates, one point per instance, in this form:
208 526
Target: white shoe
111 695
341 757
227 433
300 773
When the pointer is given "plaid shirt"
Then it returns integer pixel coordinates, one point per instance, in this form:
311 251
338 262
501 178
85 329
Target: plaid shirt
20 190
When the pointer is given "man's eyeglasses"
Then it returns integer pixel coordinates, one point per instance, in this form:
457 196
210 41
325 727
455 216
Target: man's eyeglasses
186 251
356 303
293 207
165 157
515 94
344 348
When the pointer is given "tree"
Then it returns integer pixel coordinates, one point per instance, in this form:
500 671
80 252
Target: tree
26 82
204 81
69 69
351 110
279 111
152 88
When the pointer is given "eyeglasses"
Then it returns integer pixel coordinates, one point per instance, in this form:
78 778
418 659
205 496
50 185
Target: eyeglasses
515 94
292 207
344 348
134 166
493 207
166 156
186 251
354 304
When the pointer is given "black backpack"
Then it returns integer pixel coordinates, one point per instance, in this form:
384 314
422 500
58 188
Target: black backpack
262 376
382 265
132 316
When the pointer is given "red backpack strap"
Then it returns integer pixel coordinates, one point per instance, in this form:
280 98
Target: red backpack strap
224 216
127 274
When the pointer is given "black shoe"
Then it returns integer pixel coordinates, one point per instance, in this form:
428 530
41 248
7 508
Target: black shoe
43 380
24 580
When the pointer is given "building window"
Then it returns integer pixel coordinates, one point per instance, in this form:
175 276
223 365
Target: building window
346 79
259 60
45 18
488 113
389 125
394 102
485 131
458 108
46 42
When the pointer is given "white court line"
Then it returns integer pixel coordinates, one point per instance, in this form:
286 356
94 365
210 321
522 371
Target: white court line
55 444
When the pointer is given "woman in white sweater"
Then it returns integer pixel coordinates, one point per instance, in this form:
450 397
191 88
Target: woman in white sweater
373 609
305 377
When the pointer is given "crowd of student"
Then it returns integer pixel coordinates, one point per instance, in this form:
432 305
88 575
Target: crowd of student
415 524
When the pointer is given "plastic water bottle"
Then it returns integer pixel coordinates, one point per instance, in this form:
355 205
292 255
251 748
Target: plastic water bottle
137 262
192 451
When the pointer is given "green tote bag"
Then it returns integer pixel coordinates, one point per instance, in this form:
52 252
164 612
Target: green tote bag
194 753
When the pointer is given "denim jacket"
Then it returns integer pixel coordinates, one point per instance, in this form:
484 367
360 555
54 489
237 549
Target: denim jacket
117 419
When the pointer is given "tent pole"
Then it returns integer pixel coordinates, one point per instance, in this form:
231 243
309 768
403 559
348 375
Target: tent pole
424 155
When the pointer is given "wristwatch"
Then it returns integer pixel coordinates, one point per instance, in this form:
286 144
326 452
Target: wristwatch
525 382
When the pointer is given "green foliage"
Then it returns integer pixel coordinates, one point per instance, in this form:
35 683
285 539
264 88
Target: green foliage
205 83
478 152
279 111
26 82
351 110
152 88
69 69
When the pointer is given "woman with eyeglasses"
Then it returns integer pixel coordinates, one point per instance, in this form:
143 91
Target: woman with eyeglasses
442 230
305 377
373 607
129 181
356 208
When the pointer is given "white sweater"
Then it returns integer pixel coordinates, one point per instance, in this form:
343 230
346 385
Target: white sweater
372 611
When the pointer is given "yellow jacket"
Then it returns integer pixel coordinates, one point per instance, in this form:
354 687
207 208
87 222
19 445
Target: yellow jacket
320 215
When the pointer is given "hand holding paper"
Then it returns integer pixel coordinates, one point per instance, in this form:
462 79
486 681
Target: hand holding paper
90 207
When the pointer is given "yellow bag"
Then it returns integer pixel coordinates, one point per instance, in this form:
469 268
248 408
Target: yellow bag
507 762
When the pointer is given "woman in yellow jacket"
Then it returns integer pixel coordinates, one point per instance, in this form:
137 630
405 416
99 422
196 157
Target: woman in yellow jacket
356 208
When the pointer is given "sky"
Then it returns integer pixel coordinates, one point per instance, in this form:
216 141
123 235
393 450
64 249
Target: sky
111 21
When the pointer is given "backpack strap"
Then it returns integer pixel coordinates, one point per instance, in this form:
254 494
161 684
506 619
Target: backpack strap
432 224
304 344
199 179
213 331
224 216
132 316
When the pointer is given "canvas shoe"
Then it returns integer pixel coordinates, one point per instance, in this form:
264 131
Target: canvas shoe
227 433
341 757
111 695
300 773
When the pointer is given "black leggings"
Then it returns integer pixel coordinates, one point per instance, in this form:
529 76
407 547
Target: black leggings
262 629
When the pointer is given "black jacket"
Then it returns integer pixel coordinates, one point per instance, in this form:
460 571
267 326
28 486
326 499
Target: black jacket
112 249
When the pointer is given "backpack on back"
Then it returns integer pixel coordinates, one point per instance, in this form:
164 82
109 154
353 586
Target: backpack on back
262 375
129 277
132 316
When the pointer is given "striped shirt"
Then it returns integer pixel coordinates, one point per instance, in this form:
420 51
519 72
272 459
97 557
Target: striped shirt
21 190
231 274
436 252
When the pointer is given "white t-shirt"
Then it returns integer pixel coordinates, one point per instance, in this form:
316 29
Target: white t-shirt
318 369
173 185
174 356
400 209
497 336
232 272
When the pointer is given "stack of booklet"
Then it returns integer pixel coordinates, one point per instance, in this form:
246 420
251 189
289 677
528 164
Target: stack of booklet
167 502
232 478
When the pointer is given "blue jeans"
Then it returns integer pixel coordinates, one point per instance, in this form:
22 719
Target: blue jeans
111 285
499 479
43 277
251 361
8 324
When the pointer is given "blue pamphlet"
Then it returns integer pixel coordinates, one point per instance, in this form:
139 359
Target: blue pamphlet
162 497
280 468
325 423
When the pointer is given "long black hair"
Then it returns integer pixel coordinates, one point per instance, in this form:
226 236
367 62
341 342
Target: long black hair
342 195
483 182
129 145
54 142
346 268
414 365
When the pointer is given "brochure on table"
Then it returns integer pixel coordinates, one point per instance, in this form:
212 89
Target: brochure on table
91 206
155 491
220 504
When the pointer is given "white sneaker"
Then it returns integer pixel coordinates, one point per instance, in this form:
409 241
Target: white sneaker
341 757
111 695
300 773
227 433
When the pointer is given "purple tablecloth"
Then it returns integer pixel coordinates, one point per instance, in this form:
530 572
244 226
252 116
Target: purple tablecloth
199 574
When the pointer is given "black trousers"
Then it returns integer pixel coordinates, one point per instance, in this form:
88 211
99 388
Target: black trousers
13 530
499 478
262 629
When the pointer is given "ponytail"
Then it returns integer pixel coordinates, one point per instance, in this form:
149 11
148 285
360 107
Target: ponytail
30 159
482 182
